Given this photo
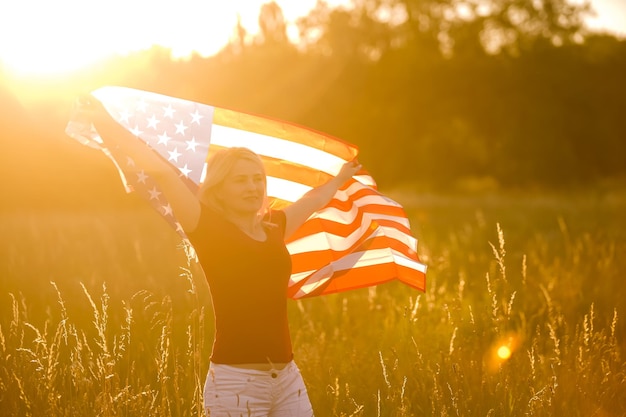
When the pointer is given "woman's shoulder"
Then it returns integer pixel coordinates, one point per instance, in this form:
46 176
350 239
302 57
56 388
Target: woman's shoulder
209 219
276 219
275 216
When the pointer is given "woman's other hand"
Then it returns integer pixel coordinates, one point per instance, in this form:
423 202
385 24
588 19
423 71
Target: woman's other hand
348 170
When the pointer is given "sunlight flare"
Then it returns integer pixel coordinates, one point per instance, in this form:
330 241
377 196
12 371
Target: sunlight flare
69 35
504 352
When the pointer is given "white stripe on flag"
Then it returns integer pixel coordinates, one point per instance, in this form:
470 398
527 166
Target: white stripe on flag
348 217
357 186
327 241
366 179
285 189
277 148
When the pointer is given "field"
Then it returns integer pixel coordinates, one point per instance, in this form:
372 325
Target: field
102 315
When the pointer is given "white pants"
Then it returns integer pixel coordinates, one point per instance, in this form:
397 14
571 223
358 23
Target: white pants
231 391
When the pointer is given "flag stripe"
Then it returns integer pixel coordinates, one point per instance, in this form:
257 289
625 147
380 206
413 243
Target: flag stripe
286 169
277 148
324 241
340 244
283 130
382 238
360 273
332 242
344 220
285 190
359 270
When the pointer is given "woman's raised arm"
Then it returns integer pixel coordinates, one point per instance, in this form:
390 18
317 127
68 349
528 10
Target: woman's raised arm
317 198
185 205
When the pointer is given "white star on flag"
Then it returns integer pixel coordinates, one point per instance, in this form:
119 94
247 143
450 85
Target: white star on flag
167 210
142 106
124 116
196 117
169 111
142 177
135 131
180 128
154 193
191 144
186 171
153 122
173 155
163 139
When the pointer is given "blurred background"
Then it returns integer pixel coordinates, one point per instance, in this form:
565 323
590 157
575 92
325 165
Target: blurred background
499 125
440 95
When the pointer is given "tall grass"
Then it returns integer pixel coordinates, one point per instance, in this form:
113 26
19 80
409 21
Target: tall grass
523 316
108 367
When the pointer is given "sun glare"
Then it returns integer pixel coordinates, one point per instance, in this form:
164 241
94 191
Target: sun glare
504 352
56 37
66 35
43 37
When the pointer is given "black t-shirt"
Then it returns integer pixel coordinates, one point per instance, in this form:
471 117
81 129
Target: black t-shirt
248 282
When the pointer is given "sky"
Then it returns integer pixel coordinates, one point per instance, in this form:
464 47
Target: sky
611 15
47 37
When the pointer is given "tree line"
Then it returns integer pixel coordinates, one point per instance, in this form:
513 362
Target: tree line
432 91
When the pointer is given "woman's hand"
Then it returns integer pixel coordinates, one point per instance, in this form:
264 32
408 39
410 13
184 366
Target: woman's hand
348 170
89 108
182 200
318 197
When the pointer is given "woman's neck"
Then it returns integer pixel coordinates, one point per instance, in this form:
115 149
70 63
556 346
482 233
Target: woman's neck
249 224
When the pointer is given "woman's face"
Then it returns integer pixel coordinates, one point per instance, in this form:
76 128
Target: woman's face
243 190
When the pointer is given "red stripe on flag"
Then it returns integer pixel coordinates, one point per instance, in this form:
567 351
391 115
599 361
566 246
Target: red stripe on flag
361 277
311 259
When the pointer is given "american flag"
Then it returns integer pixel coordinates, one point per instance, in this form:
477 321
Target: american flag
361 238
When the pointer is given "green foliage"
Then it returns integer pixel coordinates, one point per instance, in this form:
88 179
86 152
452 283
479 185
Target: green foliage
102 314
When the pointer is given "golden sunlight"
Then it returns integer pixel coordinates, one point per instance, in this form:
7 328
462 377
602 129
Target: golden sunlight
56 37
43 37
504 352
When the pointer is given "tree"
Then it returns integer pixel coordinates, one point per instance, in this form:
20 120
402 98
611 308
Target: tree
272 24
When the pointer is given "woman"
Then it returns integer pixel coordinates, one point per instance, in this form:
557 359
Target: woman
240 245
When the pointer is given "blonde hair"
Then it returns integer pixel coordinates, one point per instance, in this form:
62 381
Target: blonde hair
219 166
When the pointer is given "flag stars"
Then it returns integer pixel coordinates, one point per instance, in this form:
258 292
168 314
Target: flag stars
180 128
185 170
124 116
142 177
154 193
174 155
135 131
153 122
195 117
169 111
167 210
191 144
163 139
141 105
130 162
